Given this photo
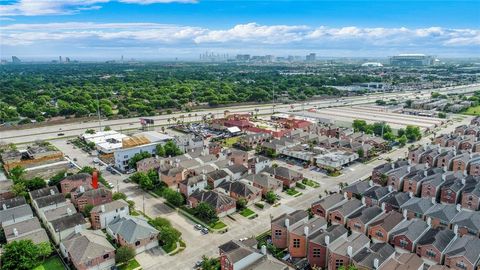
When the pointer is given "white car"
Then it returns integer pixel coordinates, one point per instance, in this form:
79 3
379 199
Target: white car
110 184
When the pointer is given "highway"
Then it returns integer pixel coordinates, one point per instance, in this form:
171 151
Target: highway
77 128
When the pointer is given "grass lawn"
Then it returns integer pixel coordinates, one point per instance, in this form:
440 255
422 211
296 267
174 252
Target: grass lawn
132 264
310 183
230 141
473 110
52 263
218 225
292 192
246 212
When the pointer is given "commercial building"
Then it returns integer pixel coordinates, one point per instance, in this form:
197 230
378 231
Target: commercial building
411 60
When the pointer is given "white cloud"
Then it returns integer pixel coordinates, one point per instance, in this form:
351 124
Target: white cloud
242 36
62 7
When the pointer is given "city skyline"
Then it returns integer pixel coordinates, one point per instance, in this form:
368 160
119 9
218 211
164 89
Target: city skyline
183 29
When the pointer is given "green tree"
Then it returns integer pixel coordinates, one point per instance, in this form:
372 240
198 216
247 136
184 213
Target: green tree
17 173
389 136
124 254
143 180
400 132
87 209
359 125
168 236
119 196
270 197
137 157
171 149
90 131
107 128
442 115
19 189
173 197
35 183
55 180
206 212
160 150
210 263
241 203
159 222
361 153
402 140
413 133
23 255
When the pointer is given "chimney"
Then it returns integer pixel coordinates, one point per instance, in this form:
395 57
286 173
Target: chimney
363 201
455 229
81 189
444 176
392 165
429 222
95 180
434 201
390 188
327 240
464 181
370 183
427 165
15 232
4 206
69 211
287 223
52 192
264 249
410 194
350 251
445 168
345 195
425 173
383 206
102 208
405 213
376 263
459 207
465 173
409 168
305 230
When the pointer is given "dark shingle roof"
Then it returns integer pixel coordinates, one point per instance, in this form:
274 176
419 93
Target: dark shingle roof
43 192
349 207
50 200
396 198
376 192
67 222
444 212
213 198
293 217
418 205
13 202
467 246
358 188
470 220
366 214
388 221
437 237
367 256
334 232
412 229
240 188
218 174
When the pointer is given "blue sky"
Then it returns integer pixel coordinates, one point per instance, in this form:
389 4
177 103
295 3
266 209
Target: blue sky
161 29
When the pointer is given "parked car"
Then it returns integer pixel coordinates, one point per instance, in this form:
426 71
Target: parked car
198 227
204 231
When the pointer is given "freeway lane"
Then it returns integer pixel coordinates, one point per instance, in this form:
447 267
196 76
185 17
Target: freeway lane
75 129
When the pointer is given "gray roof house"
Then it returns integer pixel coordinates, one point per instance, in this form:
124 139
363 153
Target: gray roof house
133 232
441 215
88 250
13 202
463 253
406 235
374 256
27 229
35 194
15 215
467 222
436 241
417 207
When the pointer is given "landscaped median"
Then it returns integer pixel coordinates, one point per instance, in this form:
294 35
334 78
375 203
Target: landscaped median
248 213
310 183
293 192
130 265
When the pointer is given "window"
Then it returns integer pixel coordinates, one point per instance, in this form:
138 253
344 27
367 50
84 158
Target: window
461 265
379 233
338 218
137 243
296 243
403 243
357 226
126 156
316 252
106 256
278 233
430 253
338 263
